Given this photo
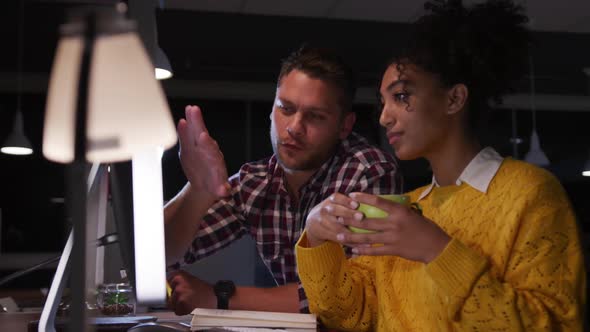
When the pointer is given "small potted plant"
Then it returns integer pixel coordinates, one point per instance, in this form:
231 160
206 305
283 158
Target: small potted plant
116 299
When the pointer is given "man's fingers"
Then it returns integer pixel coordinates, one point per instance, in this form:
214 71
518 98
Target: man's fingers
172 303
195 119
184 137
174 278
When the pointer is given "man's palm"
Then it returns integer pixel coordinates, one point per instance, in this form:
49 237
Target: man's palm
200 157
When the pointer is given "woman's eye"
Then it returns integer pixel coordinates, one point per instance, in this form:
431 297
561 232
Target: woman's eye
401 97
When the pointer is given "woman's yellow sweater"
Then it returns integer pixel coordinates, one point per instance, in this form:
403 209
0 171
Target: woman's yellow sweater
514 264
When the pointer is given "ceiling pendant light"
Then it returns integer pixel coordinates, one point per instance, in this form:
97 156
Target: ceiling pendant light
162 65
586 170
144 12
17 142
535 155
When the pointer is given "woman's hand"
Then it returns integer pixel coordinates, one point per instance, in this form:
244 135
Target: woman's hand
402 233
325 220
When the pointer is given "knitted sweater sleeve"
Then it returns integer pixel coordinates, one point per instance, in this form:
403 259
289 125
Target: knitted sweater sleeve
340 291
543 285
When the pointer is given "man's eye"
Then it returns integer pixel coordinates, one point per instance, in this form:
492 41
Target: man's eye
315 116
284 108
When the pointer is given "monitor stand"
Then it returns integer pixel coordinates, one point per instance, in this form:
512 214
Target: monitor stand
97 185
47 319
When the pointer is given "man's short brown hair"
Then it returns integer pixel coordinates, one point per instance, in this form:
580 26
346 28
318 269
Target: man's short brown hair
325 65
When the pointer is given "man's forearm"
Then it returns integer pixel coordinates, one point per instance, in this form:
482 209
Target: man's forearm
280 299
181 217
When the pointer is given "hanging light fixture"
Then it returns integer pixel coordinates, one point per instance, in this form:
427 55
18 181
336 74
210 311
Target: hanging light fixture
535 155
17 142
144 12
586 170
162 64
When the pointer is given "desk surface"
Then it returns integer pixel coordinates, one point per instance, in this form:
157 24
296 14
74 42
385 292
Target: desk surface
29 321
17 321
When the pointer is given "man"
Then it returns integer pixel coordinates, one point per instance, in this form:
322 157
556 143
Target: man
315 155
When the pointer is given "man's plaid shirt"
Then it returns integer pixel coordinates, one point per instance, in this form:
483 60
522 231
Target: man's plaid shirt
260 205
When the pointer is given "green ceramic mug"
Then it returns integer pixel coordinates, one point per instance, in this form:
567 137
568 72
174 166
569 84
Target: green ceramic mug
372 212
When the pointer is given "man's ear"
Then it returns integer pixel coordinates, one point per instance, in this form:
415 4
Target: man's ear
457 98
347 124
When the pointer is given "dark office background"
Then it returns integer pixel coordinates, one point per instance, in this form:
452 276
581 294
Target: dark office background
227 63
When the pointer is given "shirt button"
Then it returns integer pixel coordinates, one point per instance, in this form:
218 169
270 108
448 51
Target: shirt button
458 182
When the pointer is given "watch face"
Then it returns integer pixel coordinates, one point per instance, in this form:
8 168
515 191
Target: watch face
225 288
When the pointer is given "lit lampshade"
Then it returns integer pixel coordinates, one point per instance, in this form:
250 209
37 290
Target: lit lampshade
162 65
127 111
17 143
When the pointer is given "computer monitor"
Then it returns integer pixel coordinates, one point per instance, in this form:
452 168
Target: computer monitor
121 197
137 201
137 198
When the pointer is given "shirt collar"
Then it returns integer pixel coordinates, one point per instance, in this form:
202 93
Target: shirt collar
316 180
478 173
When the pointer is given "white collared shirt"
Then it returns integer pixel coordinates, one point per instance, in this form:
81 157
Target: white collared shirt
478 174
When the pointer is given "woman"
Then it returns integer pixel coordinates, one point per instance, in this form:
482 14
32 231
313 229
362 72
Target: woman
497 248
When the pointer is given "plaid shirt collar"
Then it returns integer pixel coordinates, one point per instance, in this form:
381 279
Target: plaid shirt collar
276 172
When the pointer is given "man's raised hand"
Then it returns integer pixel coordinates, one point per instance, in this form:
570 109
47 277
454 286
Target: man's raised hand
200 157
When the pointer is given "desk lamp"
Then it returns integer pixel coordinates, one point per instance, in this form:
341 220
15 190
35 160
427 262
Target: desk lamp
103 105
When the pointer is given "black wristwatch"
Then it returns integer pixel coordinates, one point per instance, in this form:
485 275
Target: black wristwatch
224 289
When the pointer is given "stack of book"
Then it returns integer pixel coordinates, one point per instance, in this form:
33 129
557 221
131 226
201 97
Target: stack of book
246 321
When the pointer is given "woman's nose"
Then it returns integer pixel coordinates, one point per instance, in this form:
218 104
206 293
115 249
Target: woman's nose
386 119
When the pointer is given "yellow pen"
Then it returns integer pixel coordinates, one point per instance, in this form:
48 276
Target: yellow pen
168 289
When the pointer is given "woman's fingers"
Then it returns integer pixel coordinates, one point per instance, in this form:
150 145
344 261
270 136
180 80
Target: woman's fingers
376 225
345 212
343 200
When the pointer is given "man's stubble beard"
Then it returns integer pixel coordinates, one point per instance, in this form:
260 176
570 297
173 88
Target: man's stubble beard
312 162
